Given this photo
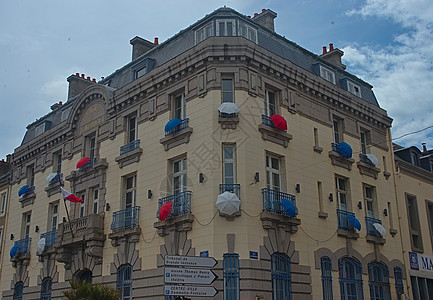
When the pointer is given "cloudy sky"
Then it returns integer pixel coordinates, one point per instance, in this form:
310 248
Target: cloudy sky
388 43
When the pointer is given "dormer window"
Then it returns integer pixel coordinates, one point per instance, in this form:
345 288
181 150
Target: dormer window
140 72
327 74
65 114
414 159
225 28
203 33
247 32
354 88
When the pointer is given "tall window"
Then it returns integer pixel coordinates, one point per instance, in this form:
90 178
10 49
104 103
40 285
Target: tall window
369 197
342 189
83 206
398 275
414 226
273 178
90 143
414 158
1 237
132 129
31 175
179 106
327 74
227 89
326 277
179 176
54 216
350 279
229 164
225 28
270 103
231 276
124 281
379 281
3 204
57 162
354 88
338 130
26 225
18 290
130 185
95 200
280 274
363 142
46 288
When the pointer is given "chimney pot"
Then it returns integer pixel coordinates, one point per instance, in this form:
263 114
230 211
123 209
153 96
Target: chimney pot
83 75
256 14
88 77
324 50
424 147
94 80
249 17
77 74
60 102
331 46
156 41
264 9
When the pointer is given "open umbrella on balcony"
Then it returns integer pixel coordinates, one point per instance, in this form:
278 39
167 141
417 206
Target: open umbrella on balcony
41 245
172 124
228 108
228 203
373 158
345 150
380 229
279 122
14 250
355 222
82 162
164 211
289 207
51 177
22 190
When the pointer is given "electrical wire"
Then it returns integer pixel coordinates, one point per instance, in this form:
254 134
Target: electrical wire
208 222
151 240
317 240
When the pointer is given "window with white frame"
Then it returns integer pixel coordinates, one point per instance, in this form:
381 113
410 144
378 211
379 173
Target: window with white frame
414 158
247 32
342 191
203 33
140 72
363 140
271 104
26 224
225 28
130 187
338 130
273 173
95 200
229 166
65 114
57 162
179 106
3 204
179 176
54 223
327 74
90 144
31 175
131 129
40 129
370 202
82 212
227 89
354 88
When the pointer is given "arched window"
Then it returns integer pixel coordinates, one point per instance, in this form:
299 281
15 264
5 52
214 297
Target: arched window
18 290
124 281
326 277
398 275
350 279
46 288
85 275
231 276
280 273
379 281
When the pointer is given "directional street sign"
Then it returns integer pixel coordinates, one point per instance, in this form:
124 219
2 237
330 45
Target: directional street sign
184 290
192 276
189 261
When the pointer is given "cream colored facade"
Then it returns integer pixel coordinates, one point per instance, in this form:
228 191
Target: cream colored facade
96 122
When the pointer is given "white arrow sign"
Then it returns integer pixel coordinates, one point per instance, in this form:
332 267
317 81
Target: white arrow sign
183 290
189 261
184 275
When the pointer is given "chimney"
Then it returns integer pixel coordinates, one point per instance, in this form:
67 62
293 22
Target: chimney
77 84
424 147
266 18
333 56
141 46
56 105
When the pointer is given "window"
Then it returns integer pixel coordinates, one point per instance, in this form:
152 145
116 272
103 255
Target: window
179 176
179 106
124 281
18 290
3 204
95 200
130 186
414 159
46 288
350 279
57 162
363 142
82 206
247 32
379 281
90 144
140 72
26 225
65 114
353 88
398 275
203 33
54 216
40 129
414 226
327 74
273 178
270 103
429 206
1 236
229 171
231 276
369 198
280 274
225 28
131 129
316 137
30 175
342 189
338 130
326 277
227 89
320 195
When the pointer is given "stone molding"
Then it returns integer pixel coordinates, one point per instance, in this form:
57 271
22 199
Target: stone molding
338 160
129 157
368 170
228 123
275 135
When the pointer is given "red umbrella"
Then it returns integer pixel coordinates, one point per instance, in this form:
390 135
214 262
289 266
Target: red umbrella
164 211
82 162
279 122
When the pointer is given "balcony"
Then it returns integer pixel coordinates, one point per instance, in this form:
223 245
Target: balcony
24 246
50 238
339 160
232 188
54 185
373 236
366 167
228 121
181 204
272 133
94 171
125 219
345 228
177 136
28 197
87 165
129 153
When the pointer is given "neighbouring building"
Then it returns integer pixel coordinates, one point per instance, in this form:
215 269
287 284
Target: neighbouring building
201 114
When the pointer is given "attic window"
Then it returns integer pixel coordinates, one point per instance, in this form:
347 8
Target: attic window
203 33
247 32
354 88
327 74
414 158
140 72
225 28
40 129
65 114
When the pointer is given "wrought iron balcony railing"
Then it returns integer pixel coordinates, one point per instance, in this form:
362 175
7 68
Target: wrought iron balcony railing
30 190
50 238
24 246
234 188
364 158
88 165
335 147
272 201
56 179
181 204
129 147
343 221
226 115
126 218
184 124
371 230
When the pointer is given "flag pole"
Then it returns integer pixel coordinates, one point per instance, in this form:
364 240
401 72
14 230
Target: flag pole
66 207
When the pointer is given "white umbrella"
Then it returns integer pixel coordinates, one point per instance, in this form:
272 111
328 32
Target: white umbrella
51 177
228 108
373 159
380 229
228 203
41 245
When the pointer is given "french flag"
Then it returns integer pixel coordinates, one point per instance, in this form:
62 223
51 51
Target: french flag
70 197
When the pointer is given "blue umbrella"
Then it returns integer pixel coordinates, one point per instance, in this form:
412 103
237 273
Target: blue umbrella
22 190
173 123
288 207
354 222
345 150
14 250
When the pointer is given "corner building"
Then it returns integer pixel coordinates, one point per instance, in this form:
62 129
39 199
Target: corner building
154 134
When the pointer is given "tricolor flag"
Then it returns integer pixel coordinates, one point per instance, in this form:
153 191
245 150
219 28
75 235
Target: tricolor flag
70 197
